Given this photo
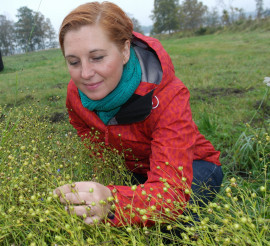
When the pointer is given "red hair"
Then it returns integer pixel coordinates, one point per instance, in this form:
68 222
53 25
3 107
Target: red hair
111 18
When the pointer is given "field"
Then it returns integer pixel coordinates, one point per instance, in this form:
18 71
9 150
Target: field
39 150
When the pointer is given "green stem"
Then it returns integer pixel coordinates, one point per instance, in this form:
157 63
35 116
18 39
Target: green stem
263 99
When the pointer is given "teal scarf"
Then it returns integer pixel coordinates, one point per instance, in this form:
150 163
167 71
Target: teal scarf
107 107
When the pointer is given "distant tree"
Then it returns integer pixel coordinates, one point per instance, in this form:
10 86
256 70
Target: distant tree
225 17
7 36
266 12
39 32
136 25
241 16
212 18
33 31
49 34
24 29
165 16
232 13
44 33
192 14
259 8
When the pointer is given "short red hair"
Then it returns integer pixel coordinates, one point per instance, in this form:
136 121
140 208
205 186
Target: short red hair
111 18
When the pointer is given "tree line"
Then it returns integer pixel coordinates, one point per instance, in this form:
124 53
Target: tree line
190 15
31 32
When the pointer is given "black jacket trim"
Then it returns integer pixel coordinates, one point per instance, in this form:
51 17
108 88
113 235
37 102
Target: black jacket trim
136 109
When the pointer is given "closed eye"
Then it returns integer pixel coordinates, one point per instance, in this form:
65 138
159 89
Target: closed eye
99 58
73 63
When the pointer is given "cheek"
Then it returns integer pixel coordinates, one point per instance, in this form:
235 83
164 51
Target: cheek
114 69
73 73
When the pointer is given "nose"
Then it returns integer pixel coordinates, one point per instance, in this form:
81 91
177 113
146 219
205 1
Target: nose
87 70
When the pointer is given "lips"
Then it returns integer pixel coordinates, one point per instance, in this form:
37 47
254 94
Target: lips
93 86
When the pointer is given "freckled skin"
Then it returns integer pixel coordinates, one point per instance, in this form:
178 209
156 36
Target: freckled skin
94 62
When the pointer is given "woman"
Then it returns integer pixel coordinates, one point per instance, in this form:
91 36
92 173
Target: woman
123 85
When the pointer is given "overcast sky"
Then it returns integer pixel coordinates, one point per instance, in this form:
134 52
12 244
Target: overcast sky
56 10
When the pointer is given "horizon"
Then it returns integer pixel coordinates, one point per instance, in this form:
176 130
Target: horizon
56 12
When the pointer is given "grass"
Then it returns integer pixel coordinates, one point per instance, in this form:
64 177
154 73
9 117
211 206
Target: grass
39 150
38 76
224 74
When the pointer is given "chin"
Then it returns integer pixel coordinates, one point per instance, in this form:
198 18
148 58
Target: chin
95 97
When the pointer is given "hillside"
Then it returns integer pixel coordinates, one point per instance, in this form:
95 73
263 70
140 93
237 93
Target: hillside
39 150
224 73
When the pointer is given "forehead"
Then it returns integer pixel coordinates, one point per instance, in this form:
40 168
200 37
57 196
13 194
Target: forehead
91 36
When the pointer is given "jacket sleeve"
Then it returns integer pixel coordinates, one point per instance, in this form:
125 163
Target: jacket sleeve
167 189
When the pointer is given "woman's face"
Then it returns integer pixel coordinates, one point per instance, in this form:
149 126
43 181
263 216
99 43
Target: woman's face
94 62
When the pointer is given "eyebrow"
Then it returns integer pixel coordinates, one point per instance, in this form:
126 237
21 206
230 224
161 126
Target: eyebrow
90 52
95 50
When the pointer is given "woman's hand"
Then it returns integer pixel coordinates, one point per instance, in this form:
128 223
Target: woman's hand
90 200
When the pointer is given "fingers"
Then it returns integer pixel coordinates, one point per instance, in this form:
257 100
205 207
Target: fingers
75 198
89 213
67 188
92 219
63 189
83 210
82 193
78 187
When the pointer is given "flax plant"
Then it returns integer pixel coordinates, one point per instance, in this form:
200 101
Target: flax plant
36 158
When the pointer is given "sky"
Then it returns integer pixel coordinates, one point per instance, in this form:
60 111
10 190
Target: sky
56 10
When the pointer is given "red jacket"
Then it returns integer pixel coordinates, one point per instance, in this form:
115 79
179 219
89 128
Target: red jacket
156 123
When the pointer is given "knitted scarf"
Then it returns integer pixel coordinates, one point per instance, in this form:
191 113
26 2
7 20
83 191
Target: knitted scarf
107 107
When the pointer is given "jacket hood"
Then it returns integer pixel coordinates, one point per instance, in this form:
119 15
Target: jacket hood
157 72
156 64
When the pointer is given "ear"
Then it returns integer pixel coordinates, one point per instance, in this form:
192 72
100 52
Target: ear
126 52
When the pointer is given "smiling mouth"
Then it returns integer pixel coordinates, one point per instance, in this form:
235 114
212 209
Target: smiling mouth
93 86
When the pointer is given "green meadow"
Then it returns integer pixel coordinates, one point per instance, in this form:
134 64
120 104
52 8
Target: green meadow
39 150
